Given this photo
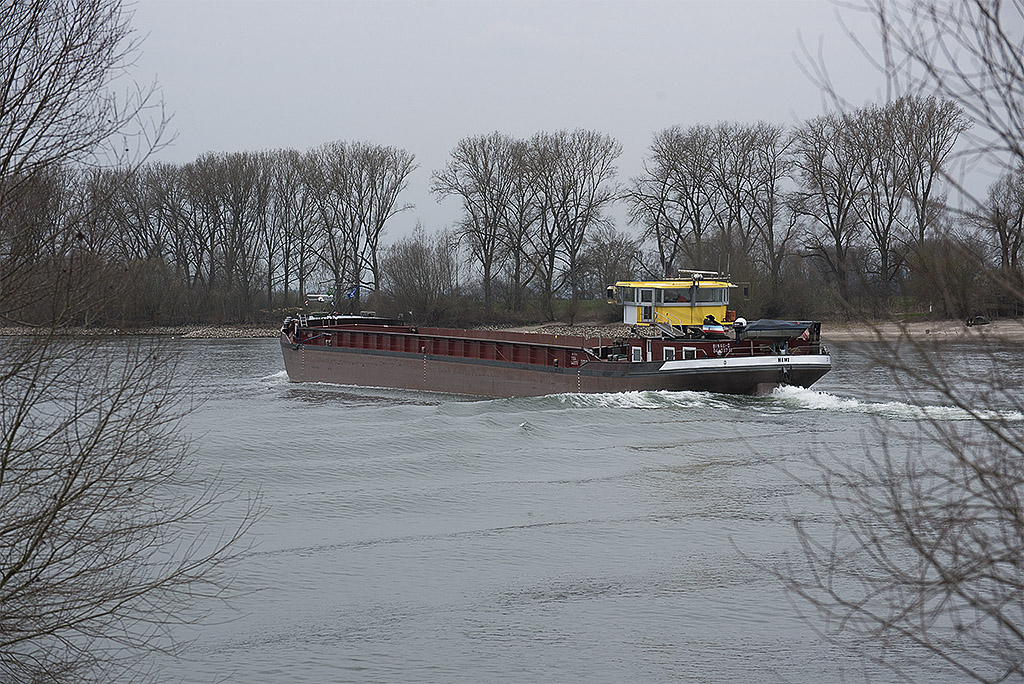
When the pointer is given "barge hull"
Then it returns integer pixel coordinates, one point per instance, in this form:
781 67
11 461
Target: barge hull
435 373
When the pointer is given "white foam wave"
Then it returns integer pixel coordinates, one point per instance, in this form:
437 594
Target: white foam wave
659 399
803 398
276 377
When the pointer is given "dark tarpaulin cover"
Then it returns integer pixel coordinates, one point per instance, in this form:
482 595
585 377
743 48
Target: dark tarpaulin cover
767 327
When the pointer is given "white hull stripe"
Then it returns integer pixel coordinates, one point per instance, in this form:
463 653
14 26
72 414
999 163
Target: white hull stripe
808 361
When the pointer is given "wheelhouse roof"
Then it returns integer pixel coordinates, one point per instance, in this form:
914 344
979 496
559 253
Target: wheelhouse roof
674 283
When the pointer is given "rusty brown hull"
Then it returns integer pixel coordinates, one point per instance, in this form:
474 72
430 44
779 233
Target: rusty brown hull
493 378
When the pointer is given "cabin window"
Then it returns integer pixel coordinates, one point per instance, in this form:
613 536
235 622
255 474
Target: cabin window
689 353
647 296
713 295
638 354
670 353
677 295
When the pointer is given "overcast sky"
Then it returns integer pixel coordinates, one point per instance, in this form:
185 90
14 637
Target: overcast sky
421 74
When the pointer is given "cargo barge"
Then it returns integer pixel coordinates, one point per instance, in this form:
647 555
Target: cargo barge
682 337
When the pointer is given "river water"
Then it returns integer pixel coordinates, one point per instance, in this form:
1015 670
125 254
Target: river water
581 538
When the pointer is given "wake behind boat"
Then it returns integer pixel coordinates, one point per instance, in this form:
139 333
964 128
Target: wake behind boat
683 337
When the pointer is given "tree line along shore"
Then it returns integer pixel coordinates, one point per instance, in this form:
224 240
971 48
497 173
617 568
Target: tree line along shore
846 214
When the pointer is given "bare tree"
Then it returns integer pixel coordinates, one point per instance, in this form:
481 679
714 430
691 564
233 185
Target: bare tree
325 174
140 228
240 183
290 219
97 558
885 177
58 60
382 173
575 177
609 255
1001 220
651 205
924 563
101 543
774 225
830 183
928 130
355 189
420 275
689 157
735 161
479 174
269 230
968 53
304 232
523 214
202 220
692 163
545 240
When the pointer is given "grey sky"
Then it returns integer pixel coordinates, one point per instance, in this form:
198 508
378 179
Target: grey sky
421 74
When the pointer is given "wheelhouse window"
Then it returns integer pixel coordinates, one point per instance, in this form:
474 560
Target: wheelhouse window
626 294
677 295
713 295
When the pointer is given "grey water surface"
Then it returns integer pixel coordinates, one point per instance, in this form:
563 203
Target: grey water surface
581 538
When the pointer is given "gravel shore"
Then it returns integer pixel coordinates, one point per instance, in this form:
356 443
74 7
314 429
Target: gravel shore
209 332
947 331
1006 329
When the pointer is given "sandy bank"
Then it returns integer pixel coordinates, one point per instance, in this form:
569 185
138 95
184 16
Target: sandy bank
1011 330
